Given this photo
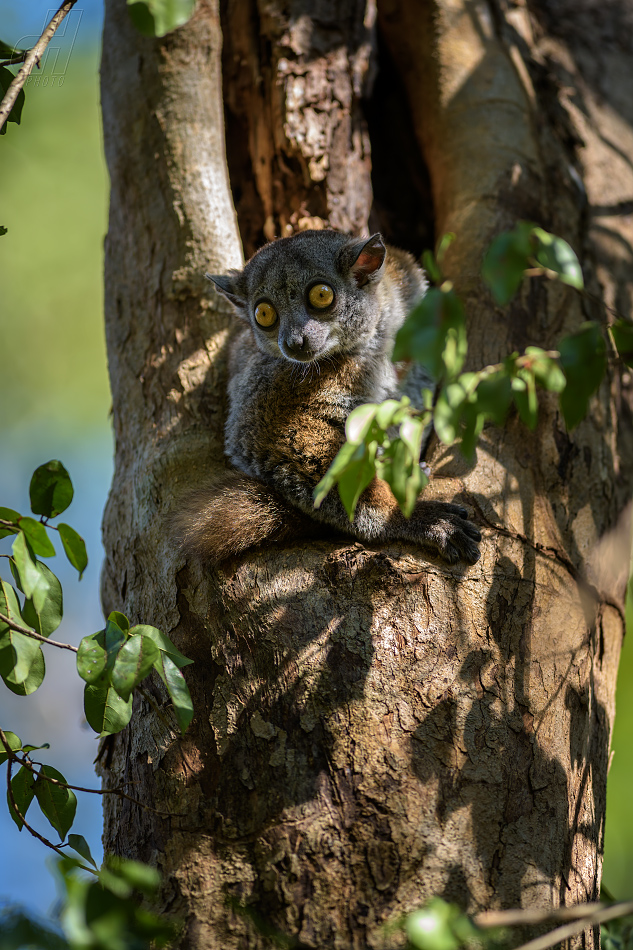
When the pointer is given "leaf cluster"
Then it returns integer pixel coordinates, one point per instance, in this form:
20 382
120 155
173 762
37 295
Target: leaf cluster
115 660
434 335
49 788
100 913
373 447
113 663
22 665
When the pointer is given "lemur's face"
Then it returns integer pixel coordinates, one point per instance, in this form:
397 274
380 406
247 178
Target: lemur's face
309 296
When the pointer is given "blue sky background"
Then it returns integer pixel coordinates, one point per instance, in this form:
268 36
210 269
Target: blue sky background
22 22
54 401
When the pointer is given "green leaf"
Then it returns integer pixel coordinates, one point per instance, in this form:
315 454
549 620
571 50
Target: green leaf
353 481
163 643
8 514
18 653
33 681
525 397
51 489
139 877
506 261
28 578
75 548
418 337
177 689
359 422
79 844
472 424
493 396
443 245
622 333
403 474
37 537
33 748
44 613
556 255
411 432
21 659
14 743
120 620
583 359
105 711
158 17
340 462
3 230
386 412
448 410
434 334
6 78
97 653
440 926
134 661
547 371
9 606
19 930
23 789
431 267
91 657
58 804
10 52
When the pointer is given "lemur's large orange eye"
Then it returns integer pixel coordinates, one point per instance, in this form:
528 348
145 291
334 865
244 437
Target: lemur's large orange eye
265 314
321 295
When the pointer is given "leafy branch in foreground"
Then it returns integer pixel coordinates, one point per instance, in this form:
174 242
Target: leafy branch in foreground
434 335
113 663
99 913
12 86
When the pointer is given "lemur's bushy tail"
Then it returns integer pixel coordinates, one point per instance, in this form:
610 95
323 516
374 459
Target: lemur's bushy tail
233 513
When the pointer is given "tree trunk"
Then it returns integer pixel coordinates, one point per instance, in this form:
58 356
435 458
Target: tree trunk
372 728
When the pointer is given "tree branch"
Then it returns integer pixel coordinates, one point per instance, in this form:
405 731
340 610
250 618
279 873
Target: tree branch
32 59
14 756
36 636
600 915
13 805
523 917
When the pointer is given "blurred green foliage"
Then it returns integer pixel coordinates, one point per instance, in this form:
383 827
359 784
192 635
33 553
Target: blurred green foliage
618 863
53 201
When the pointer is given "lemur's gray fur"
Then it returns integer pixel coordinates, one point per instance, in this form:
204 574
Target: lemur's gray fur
291 387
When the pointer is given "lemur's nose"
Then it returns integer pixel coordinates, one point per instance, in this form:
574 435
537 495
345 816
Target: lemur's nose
295 345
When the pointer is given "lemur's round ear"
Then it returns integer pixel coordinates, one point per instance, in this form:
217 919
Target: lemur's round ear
229 286
365 259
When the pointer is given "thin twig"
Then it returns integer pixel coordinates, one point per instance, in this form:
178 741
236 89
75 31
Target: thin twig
32 59
24 761
518 917
599 916
95 791
36 636
14 60
14 806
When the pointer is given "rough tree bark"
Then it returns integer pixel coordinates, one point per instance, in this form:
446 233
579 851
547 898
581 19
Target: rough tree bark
371 728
